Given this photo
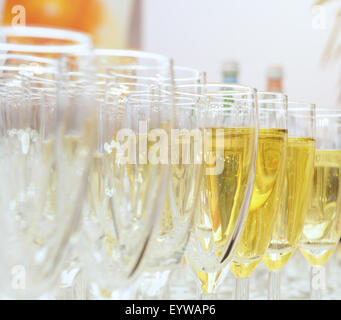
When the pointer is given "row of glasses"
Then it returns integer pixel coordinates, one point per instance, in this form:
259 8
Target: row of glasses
140 161
302 123
135 189
165 245
277 163
137 204
309 211
272 234
129 93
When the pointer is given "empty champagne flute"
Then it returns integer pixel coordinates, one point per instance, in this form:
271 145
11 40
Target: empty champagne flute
296 193
44 155
322 226
267 189
171 234
125 196
38 131
141 75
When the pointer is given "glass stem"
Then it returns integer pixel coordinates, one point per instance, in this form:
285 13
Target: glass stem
207 293
207 289
153 285
317 282
208 296
274 285
242 289
80 288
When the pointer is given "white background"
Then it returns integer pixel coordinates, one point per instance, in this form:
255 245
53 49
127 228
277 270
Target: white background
256 33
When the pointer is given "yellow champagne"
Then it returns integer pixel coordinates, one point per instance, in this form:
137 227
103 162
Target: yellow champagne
264 205
294 202
221 196
322 226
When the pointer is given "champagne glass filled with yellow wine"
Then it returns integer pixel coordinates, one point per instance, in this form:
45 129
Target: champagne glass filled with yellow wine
230 127
267 189
322 225
296 192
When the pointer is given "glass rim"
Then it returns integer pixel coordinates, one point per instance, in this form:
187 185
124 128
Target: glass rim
280 100
29 58
325 112
113 70
82 40
139 98
50 67
131 54
196 74
301 105
273 96
238 88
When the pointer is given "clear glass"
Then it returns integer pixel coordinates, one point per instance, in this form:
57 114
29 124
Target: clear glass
229 124
144 75
45 105
180 200
45 156
50 42
296 195
267 189
125 196
171 234
322 225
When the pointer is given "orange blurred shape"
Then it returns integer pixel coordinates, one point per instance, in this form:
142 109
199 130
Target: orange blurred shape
80 15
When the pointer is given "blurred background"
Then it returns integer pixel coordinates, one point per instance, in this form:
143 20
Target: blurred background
282 45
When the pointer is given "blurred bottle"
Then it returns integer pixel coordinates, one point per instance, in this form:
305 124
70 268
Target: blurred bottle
230 71
275 79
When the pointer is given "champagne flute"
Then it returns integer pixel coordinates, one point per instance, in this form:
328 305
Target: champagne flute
43 226
171 234
322 225
41 176
124 198
297 192
230 127
143 75
267 189
124 201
